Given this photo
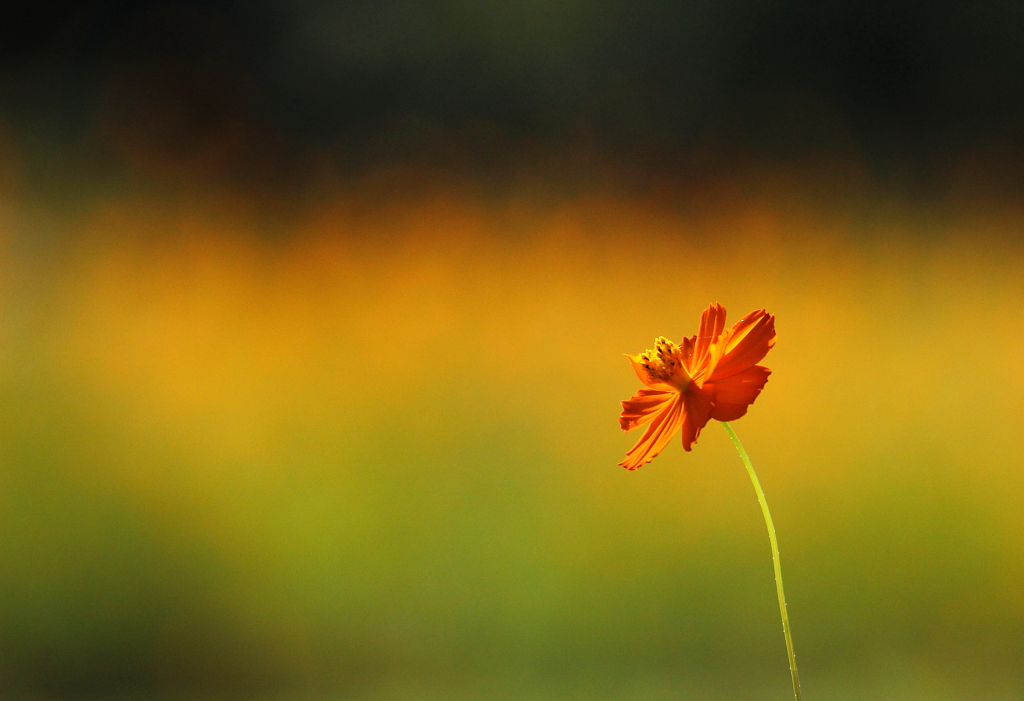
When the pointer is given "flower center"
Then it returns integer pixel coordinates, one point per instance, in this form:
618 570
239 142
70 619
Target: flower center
665 364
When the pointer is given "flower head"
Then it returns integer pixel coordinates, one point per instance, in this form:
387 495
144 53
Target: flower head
712 375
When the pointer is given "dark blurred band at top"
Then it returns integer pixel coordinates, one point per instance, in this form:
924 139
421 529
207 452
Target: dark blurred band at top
264 93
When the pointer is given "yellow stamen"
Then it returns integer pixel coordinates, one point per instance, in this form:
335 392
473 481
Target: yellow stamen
665 364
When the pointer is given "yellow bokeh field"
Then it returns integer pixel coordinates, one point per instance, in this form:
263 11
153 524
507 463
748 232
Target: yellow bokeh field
373 455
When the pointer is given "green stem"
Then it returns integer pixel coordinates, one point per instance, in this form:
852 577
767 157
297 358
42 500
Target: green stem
775 557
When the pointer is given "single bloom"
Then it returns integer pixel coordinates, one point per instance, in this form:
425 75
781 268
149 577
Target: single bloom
713 375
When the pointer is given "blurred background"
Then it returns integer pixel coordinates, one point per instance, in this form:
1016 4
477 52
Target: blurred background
312 323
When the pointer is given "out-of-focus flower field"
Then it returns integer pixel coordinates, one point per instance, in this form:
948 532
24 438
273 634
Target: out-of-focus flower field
374 456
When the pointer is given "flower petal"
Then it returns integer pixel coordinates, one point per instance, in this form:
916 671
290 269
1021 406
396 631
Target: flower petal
712 322
698 407
744 344
735 393
664 425
642 408
686 351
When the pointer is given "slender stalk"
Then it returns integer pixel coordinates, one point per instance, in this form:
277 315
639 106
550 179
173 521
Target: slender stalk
775 557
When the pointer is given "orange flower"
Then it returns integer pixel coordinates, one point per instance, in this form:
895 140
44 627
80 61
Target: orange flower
712 375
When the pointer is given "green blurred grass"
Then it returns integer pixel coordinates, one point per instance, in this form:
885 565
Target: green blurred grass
377 460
